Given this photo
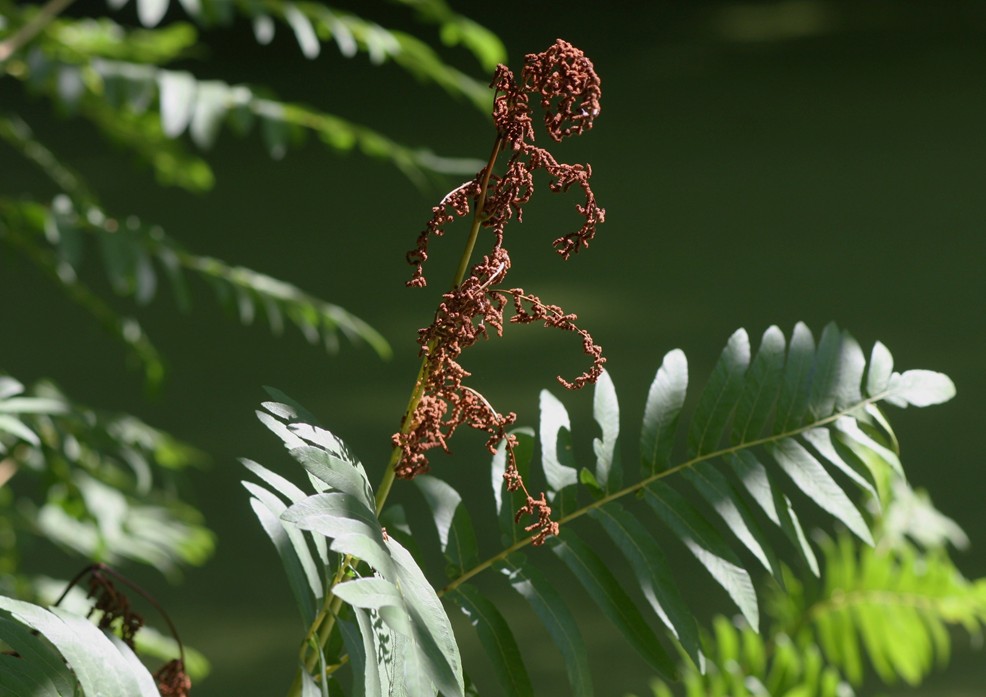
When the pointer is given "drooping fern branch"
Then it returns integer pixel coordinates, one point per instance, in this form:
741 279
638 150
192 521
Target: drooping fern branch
57 236
800 417
111 76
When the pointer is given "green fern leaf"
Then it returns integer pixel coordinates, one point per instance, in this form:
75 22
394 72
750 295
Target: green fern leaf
509 503
548 605
720 494
606 412
557 458
497 640
759 392
652 571
664 402
303 574
720 396
101 666
792 402
455 530
607 592
705 543
816 483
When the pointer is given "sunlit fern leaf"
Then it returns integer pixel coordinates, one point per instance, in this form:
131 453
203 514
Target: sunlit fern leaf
404 626
146 108
291 545
455 529
509 503
900 602
768 422
774 426
557 458
74 657
606 412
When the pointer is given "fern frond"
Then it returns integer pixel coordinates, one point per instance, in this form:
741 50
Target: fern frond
314 23
889 609
59 653
894 605
135 253
769 423
21 226
743 663
457 29
104 481
406 645
146 107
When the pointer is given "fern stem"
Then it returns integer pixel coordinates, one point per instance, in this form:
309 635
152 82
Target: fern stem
322 627
383 490
634 488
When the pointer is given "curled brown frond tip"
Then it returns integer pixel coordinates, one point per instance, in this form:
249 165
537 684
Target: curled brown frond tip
172 680
544 526
568 85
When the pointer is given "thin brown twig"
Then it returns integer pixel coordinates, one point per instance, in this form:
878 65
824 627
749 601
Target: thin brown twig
26 33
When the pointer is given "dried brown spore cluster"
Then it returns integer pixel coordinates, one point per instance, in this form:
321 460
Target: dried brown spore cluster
172 680
565 84
114 605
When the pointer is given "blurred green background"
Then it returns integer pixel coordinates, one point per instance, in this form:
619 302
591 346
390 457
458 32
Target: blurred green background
760 163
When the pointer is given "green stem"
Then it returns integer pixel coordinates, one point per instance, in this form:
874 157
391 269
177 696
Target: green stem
324 622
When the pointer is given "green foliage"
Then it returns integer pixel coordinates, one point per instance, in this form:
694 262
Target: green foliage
101 486
407 643
111 75
89 481
769 423
887 609
65 654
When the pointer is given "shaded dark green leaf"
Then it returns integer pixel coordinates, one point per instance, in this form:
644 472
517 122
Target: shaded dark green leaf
707 545
652 570
554 614
497 640
607 592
